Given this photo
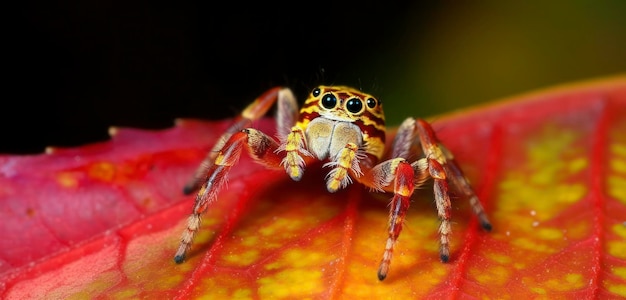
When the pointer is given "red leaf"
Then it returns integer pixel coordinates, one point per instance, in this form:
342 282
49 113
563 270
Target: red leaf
106 218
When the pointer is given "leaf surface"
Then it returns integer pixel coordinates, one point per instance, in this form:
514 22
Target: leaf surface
104 220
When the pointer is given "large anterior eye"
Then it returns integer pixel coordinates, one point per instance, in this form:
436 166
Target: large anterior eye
329 101
354 105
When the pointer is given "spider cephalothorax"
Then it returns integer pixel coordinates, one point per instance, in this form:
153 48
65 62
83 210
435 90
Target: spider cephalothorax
345 128
340 125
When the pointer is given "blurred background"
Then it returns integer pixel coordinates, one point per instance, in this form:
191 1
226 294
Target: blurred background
75 68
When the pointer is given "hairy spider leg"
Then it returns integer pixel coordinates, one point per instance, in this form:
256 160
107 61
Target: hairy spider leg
398 176
403 190
260 146
436 165
346 163
285 117
443 170
462 185
294 146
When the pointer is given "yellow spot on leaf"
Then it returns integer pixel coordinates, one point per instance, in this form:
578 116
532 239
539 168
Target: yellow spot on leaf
250 241
617 248
494 276
293 264
546 201
242 294
529 244
204 236
618 289
617 188
568 283
245 258
298 258
546 174
519 266
549 234
578 165
223 286
619 149
549 145
620 272
618 165
499 258
571 193
620 230
102 171
575 279
564 283
278 226
67 179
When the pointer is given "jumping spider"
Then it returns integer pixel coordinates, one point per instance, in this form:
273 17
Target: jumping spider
345 128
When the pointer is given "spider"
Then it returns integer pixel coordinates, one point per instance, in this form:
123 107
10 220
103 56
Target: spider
345 128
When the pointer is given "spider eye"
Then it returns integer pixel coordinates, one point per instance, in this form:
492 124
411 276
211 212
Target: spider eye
371 102
329 101
354 105
316 92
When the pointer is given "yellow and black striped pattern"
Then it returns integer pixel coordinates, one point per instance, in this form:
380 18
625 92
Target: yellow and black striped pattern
370 119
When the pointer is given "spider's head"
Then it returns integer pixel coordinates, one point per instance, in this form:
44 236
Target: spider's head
342 103
346 104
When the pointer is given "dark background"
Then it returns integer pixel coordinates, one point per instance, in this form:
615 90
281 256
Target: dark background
77 67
